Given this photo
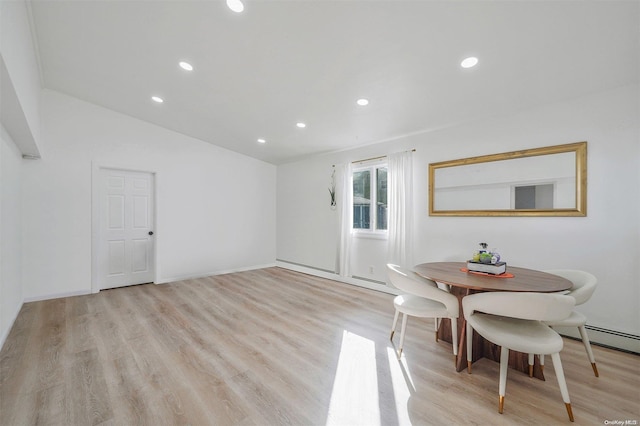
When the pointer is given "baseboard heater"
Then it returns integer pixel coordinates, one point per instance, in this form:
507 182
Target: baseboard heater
368 279
306 266
611 339
330 272
333 275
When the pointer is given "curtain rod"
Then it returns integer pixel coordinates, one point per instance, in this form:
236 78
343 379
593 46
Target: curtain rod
373 158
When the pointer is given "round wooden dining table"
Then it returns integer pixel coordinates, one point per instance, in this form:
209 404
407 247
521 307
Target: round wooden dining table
463 283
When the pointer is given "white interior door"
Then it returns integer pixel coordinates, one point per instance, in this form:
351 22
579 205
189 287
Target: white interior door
126 254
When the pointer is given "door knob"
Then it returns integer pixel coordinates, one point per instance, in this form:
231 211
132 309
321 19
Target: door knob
150 232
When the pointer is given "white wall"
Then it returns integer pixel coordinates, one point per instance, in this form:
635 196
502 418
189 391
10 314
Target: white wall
19 56
605 242
306 224
10 233
215 208
19 111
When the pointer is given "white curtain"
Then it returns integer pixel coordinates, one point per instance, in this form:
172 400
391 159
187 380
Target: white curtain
345 210
400 213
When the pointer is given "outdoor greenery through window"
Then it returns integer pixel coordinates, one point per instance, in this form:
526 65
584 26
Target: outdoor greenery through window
370 198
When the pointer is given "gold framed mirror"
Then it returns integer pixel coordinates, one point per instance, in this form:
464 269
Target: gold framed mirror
549 181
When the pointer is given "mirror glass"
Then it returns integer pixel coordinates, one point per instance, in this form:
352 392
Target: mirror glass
548 181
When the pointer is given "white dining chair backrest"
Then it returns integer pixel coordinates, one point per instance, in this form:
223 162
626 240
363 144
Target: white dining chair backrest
415 284
584 283
515 321
524 305
424 299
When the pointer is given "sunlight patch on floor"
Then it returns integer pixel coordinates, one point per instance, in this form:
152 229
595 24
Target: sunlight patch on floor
402 385
354 399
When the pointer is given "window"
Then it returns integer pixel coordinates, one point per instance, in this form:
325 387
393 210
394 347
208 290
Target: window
370 198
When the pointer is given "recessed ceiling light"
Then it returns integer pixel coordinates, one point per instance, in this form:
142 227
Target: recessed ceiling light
157 99
235 5
363 102
261 140
469 62
186 66
301 125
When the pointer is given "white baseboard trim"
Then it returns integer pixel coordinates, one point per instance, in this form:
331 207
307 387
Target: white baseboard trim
57 295
6 332
162 281
323 273
210 274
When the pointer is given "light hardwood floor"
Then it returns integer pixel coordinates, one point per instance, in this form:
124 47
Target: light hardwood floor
273 347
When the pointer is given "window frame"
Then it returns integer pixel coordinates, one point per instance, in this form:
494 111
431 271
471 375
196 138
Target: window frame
372 231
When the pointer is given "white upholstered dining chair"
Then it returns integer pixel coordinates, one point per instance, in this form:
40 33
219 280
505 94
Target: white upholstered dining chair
514 321
422 299
584 284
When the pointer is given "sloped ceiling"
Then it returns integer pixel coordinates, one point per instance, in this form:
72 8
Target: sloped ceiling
257 73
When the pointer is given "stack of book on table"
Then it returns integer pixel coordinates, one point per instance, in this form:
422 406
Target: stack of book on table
489 268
